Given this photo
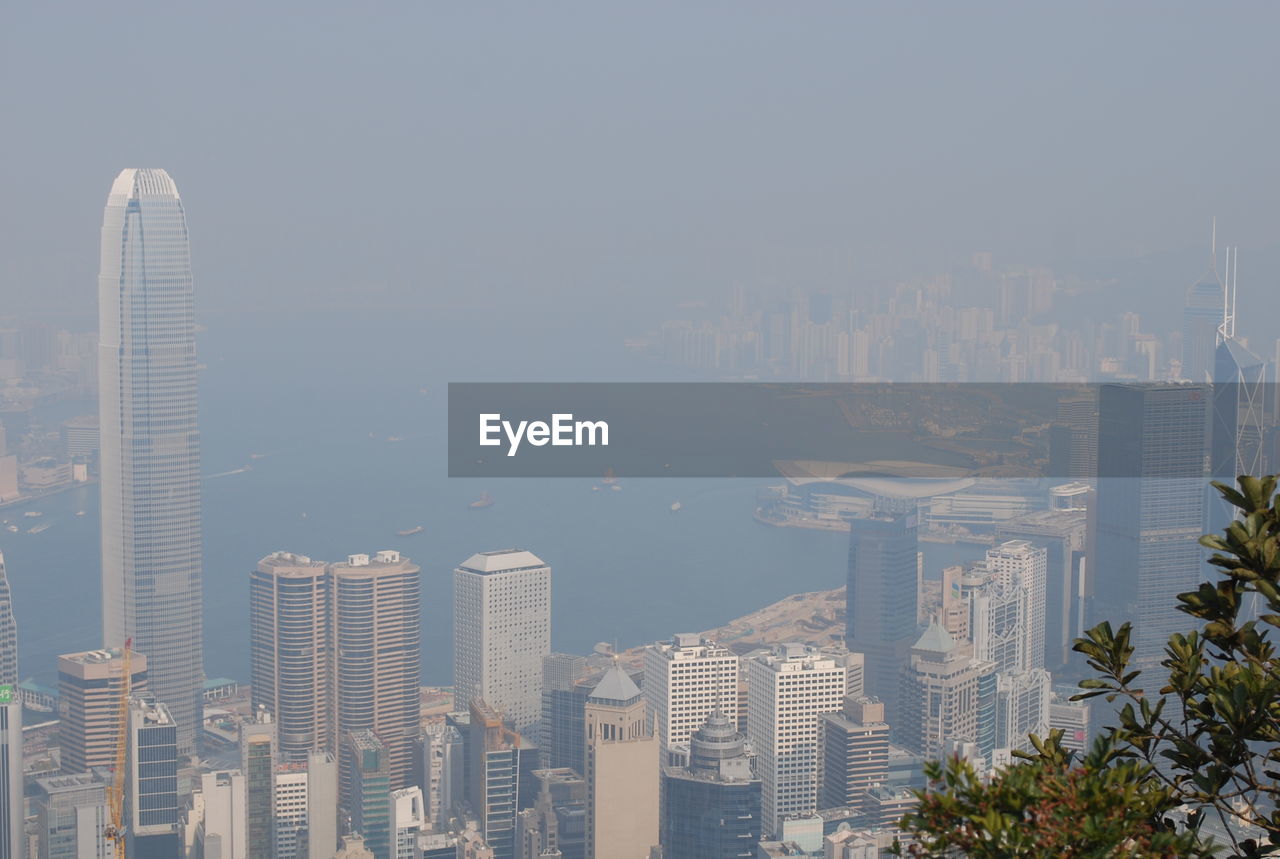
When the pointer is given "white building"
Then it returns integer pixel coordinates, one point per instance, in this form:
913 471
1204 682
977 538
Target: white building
408 819
1070 717
787 688
1022 708
684 680
1018 562
290 808
501 631
222 833
12 835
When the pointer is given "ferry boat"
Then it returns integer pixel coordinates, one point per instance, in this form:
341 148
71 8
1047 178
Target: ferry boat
409 532
485 500
33 514
43 526
675 508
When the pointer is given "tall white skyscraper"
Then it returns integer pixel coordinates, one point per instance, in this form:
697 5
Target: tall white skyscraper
1018 563
685 679
501 631
787 689
12 836
150 444
8 631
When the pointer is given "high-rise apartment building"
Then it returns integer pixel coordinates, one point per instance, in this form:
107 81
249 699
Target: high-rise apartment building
8 631
150 442
621 771
787 689
854 745
151 787
377 656
71 817
711 806
685 680
501 632
89 688
290 656
13 836
1152 458
369 774
881 598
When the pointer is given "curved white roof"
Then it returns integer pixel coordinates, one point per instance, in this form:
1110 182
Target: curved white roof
136 182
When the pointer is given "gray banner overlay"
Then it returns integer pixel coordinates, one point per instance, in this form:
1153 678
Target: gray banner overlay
823 431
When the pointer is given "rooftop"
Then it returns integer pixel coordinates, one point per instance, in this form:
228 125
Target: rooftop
502 561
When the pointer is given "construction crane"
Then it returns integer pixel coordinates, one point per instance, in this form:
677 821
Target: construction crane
115 828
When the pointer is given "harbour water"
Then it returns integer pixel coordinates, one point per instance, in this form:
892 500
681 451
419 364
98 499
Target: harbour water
323 434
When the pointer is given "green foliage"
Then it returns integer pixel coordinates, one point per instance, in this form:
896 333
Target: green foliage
1208 742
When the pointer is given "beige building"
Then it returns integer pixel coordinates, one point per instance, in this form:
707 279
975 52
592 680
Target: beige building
622 771
377 649
289 651
941 693
89 686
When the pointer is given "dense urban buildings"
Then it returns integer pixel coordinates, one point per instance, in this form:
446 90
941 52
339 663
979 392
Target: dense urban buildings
501 632
150 442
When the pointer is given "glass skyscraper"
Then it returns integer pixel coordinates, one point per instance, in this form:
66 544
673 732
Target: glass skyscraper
150 457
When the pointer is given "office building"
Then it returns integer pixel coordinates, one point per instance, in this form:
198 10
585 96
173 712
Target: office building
944 697
494 752
567 682
787 689
408 820
621 771
12 815
1063 534
221 830
376 645
501 632
1152 458
89 688
557 821
685 680
289 651
1018 565
150 441
322 802
711 806
8 631
71 817
258 763
854 745
1201 317
882 591
151 789
369 774
1022 708
1070 717
290 809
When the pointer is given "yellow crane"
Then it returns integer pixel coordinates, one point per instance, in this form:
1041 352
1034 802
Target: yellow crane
115 829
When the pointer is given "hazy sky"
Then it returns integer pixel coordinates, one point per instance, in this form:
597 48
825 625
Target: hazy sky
453 153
